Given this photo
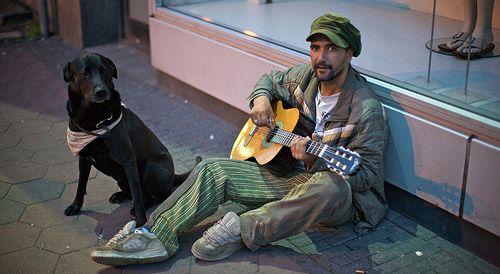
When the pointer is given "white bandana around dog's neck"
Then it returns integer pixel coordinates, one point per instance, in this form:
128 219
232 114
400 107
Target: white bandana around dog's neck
77 140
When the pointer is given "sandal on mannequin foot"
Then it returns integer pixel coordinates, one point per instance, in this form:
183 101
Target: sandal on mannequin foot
478 48
456 41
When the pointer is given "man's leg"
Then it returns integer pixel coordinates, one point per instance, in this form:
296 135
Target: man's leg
213 182
325 198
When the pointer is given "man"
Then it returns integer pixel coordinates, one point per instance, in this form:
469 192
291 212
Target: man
289 194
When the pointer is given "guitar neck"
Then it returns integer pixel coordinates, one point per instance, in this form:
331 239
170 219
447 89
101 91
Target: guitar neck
285 138
339 159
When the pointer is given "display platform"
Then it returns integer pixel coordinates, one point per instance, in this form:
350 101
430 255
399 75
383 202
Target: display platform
494 53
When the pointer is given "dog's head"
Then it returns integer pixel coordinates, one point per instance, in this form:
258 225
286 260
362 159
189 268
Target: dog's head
91 75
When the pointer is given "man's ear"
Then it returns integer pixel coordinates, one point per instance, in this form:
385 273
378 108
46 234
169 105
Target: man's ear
350 53
67 72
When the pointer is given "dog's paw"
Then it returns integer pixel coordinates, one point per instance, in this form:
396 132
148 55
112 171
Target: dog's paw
119 197
72 210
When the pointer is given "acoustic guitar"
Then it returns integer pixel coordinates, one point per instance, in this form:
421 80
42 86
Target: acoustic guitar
263 143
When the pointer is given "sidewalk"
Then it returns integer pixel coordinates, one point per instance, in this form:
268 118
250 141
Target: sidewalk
38 176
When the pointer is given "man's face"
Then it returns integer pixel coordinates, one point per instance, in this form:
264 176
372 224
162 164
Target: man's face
328 60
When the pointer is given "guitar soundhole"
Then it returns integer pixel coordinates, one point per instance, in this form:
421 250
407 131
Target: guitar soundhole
271 134
266 142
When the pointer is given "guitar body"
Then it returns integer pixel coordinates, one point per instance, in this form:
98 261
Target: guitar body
248 145
264 144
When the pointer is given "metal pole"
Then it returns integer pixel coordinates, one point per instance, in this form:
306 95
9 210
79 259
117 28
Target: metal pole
432 38
468 62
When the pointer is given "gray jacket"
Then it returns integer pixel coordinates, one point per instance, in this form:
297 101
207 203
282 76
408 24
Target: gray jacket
357 122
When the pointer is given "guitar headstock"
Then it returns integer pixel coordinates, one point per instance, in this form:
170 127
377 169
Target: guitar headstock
341 160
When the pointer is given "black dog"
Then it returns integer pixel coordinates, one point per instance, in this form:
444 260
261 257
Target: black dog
107 135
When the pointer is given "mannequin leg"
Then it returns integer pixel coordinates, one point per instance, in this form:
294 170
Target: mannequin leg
483 32
457 40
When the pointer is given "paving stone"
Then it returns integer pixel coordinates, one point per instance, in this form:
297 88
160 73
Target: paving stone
69 237
397 234
31 260
42 141
442 257
392 214
8 140
393 265
392 253
60 123
273 260
11 211
96 191
29 127
66 172
414 228
341 234
419 266
315 247
452 267
417 242
457 252
14 114
242 261
22 172
53 156
4 126
483 266
14 155
4 188
79 262
59 127
36 191
52 212
17 236
360 265
334 256
372 237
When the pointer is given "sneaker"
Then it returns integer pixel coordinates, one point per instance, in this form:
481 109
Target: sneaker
131 246
219 241
122 233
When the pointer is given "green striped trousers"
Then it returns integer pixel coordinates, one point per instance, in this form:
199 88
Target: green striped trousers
284 206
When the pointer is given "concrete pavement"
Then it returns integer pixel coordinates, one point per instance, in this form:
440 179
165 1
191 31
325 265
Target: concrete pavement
38 176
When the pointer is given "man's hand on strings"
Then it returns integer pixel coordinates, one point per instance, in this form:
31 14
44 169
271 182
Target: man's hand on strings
262 112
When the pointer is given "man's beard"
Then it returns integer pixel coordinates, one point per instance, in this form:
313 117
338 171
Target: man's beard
330 75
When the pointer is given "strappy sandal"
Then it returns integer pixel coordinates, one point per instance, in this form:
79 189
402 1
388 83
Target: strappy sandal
456 41
478 48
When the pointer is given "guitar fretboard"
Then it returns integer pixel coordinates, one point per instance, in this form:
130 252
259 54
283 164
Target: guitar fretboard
285 138
339 159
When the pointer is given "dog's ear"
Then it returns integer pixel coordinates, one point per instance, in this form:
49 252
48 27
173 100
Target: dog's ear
112 68
67 72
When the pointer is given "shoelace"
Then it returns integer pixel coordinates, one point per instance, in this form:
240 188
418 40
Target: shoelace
215 236
119 236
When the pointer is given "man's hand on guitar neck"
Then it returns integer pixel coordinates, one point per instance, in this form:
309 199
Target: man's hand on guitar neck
262 114
298 147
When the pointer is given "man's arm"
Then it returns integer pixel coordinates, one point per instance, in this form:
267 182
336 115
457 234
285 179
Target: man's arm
369 143
278 85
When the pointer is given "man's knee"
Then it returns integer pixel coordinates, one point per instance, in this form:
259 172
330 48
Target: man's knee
331 186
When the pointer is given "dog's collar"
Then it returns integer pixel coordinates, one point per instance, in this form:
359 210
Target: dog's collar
102 130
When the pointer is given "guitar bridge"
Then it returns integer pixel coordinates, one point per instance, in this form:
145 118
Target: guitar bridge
252 132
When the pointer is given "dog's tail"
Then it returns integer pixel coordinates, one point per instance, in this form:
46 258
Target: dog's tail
180 178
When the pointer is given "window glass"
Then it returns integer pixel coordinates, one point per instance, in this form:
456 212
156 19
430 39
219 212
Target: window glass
396 37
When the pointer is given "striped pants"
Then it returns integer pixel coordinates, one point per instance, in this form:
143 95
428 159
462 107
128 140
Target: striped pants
284 206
